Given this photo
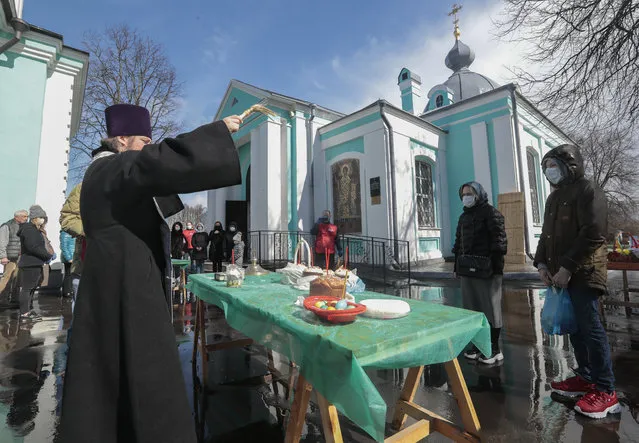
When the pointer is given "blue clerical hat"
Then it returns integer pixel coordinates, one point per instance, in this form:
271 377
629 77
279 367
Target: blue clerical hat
126 119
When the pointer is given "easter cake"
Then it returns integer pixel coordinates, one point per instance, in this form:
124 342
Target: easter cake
328 286
313 270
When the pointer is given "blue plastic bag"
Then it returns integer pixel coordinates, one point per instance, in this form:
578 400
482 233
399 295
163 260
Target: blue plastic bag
355 285
558 314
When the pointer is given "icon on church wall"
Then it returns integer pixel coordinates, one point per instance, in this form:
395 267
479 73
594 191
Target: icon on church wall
347 200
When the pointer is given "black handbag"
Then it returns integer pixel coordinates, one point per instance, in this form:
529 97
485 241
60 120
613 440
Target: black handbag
474 265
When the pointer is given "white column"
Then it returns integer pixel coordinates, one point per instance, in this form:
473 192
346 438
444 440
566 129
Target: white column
54 146
303 166
481 158
266 176
505 152
284 182
445 223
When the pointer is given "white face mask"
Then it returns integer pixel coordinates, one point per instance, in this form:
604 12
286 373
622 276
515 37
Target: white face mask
189 227
232 229
554 175
468 200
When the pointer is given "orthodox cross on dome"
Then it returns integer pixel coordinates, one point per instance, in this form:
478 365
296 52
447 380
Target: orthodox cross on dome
453 13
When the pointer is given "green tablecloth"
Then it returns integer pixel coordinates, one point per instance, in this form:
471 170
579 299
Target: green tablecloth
180 263
333 357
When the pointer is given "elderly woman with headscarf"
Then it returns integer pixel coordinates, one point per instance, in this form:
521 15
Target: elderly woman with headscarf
34 254
480 247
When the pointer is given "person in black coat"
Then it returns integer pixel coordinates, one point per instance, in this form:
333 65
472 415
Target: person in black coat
481 234
33 256
216 250
124 380
178 242
200 243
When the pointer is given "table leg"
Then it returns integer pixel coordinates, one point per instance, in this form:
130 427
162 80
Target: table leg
460 391
196 337
330 420
408 393
626 293
183 291
302 394
203 350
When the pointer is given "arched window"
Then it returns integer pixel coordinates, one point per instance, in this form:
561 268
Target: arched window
534 187
439 101
424 194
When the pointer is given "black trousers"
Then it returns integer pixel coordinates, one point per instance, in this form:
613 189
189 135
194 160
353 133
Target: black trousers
217 265
320 260
30 279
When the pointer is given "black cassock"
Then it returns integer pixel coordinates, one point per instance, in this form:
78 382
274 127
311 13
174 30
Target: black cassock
123 380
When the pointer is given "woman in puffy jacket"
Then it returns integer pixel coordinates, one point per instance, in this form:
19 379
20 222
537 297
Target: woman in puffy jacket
480 247
33 256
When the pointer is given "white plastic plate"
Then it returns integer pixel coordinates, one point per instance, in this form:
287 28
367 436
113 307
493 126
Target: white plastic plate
385 309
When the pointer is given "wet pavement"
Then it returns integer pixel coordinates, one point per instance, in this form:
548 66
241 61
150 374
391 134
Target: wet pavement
513 399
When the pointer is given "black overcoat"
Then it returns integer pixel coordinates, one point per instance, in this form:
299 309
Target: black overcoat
200 240
123 380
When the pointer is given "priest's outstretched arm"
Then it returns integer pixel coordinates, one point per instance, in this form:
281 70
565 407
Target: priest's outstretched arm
203 159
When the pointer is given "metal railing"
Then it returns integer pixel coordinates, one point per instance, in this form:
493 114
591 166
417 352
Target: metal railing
371 255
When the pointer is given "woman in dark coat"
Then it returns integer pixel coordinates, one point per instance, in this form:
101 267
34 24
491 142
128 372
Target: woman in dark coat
124 380
216 250
200 243
481 234
33 256
178 242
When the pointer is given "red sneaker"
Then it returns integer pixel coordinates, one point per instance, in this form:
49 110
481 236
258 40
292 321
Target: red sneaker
572 387
597 404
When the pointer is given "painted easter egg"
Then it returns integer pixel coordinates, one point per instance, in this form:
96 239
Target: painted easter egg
341 304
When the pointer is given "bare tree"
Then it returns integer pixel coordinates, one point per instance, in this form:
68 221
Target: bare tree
588 51
194 214
611 161
125 67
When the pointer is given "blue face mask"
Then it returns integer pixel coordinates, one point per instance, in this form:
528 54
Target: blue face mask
554 174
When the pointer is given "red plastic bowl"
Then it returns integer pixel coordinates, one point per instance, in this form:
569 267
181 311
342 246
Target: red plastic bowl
337 316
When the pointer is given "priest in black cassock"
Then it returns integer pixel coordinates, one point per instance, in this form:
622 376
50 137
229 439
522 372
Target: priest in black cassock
123 381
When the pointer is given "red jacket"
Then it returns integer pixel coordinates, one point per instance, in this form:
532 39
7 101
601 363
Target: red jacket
325 239
188 234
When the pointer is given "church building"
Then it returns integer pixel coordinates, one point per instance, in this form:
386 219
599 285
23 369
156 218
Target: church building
392 172
42 83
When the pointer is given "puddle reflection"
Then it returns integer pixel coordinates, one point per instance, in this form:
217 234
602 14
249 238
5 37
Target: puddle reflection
513 398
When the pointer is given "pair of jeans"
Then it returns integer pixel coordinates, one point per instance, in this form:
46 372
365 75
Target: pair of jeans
197 266
590 342
30 279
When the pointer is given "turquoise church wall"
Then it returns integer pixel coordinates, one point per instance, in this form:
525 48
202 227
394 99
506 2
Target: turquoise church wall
22 88
460 166
354 145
